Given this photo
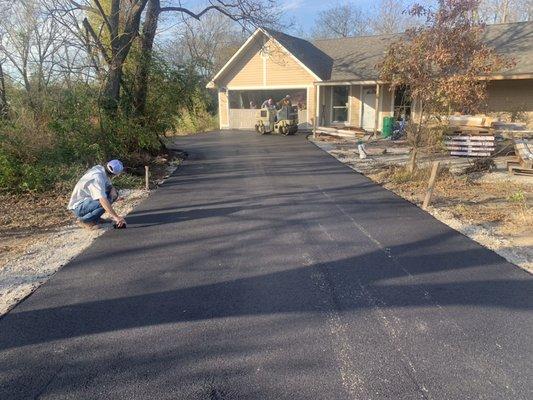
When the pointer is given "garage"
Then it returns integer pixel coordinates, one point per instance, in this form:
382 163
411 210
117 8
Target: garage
264 68
243 105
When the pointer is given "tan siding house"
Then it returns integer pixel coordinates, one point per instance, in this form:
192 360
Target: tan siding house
335 82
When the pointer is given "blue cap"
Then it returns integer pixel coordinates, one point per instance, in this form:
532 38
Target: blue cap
115 167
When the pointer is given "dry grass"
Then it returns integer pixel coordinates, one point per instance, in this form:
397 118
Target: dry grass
506 205
28 218
20 214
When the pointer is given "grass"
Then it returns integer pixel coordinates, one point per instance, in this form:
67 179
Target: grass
504 203
517 197
128 181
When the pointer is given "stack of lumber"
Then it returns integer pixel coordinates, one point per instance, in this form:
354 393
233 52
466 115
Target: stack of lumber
512 130
470 120
347 133
470 141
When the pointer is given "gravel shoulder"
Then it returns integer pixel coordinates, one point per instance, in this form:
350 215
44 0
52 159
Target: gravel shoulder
38 236
34 258
479 206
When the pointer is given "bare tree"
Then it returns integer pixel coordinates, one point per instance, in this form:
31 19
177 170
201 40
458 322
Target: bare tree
341 20
3 96
390 16
30 44
207 44
503 11
109 42
247 13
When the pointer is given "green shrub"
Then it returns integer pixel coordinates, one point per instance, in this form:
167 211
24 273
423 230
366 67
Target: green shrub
195 121
48 144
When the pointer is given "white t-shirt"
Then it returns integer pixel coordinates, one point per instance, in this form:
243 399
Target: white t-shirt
92 185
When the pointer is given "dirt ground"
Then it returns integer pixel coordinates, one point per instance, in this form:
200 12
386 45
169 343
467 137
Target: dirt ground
32 224
493 208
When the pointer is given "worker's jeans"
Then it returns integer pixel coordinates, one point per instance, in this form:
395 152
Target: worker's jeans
90 210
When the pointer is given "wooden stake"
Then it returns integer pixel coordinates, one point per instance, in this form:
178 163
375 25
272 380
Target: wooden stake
432 179
146 178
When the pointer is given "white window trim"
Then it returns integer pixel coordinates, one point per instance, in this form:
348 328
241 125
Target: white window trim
273 87
332 107
307 104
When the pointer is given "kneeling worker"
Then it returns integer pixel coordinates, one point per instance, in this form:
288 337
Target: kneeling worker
94 194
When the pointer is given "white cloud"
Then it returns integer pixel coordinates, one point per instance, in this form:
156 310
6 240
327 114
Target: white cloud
293 5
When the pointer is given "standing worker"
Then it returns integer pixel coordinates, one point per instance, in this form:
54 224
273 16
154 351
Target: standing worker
94 194
268 103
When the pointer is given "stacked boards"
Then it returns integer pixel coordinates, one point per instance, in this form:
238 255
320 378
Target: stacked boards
470 142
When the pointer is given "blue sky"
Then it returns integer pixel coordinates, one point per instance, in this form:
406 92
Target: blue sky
303 12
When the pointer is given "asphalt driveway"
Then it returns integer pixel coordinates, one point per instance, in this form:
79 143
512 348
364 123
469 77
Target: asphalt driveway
265 269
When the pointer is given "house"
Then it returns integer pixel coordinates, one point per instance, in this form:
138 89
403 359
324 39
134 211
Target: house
335 81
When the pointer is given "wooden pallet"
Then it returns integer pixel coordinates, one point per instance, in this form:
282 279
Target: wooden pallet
523 163
519 170
481 145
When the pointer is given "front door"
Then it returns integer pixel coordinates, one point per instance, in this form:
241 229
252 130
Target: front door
369 111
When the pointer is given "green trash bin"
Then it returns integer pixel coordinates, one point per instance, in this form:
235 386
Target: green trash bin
388 125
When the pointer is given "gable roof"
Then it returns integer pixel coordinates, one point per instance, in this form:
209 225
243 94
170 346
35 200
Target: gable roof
355 58
310 55
290 44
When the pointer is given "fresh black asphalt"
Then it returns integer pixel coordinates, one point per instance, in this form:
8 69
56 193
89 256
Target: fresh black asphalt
265 269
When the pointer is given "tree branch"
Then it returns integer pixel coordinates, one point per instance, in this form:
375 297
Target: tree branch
82 7
104 16
197 16
98 43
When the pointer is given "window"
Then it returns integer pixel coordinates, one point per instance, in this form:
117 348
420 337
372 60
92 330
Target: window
339 103
402 103
249 99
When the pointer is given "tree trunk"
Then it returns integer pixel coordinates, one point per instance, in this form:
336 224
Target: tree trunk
416 139
111 93
121 42
411 166
3 99
147 44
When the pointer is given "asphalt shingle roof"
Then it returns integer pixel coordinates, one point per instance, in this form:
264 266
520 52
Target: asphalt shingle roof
355 58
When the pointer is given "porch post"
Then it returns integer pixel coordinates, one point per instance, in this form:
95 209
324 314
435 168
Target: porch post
376 118
317 111
361 106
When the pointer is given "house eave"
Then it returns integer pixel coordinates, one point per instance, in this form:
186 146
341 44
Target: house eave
494 77
348 82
